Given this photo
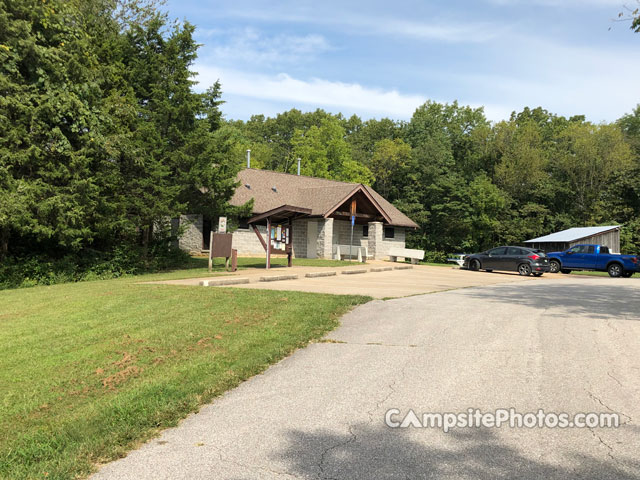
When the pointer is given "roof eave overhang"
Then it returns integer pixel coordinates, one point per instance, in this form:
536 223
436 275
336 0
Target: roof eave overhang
281 212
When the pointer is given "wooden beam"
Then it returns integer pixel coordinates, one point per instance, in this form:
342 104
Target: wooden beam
264 245
358 215
283 211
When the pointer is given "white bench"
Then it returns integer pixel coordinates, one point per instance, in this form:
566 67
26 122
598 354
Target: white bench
413 254
457 258
354 251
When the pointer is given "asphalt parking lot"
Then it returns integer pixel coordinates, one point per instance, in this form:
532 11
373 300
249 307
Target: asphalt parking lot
565 345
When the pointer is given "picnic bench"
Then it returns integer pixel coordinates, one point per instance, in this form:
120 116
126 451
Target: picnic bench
353 251
411 253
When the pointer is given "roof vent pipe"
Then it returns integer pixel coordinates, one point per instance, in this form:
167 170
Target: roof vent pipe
248 158
299 166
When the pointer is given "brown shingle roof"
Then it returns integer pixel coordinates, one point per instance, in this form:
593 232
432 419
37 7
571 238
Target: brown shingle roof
272 189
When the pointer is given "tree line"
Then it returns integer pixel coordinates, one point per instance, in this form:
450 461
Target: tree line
103 138
469 183
102 135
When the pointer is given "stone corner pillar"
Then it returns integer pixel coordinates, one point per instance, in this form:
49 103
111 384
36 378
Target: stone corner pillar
192 237
374 241
325 238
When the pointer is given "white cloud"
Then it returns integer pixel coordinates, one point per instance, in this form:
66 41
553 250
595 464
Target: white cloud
251 46
458 31
443 31
602 93
316 92
516 71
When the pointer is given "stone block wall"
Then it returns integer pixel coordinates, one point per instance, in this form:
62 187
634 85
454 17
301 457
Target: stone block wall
192 235
300 238
342 234
191 240
378 246
330 233
247 242
399 240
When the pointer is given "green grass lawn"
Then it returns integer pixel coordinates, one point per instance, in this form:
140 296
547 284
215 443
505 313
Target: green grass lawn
589 273
594 274
89 370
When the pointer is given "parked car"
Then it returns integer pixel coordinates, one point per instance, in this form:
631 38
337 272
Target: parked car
594 257
525 261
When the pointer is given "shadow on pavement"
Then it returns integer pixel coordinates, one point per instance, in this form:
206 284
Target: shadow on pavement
589 299
382 453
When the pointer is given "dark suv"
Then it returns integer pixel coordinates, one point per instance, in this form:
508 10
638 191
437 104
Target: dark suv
525 261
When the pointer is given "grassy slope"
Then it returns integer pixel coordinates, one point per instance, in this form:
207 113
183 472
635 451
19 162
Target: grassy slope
88 370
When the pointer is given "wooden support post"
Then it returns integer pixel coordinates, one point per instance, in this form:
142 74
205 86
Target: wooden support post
234 260
268 243
290 238
210 251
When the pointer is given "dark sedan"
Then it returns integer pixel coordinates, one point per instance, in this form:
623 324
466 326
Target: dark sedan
525 261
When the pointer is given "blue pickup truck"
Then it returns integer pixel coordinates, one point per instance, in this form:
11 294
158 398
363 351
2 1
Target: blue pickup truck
593 257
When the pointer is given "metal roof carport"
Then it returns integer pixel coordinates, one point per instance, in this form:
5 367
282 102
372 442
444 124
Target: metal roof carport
608 235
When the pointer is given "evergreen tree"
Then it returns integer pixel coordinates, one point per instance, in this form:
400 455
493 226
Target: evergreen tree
50 123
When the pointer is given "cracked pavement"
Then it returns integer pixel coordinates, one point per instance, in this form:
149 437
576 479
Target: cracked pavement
570 345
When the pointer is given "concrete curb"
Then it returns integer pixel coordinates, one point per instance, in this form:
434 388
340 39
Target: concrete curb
381 269
277 278
353 272
403 267
320 274
223 281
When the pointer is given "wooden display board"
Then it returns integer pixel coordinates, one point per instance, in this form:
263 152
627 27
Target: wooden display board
220 246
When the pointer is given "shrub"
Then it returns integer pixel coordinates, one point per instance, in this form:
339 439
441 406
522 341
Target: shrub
31 269
435 257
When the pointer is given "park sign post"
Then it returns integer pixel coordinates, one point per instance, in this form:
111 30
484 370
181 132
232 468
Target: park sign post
220 245
222 225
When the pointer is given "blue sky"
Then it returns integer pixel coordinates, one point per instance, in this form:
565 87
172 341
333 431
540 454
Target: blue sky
384 58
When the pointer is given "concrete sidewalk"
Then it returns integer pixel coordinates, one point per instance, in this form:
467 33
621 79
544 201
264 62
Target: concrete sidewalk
378 284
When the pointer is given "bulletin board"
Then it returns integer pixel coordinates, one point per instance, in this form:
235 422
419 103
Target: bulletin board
280 238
